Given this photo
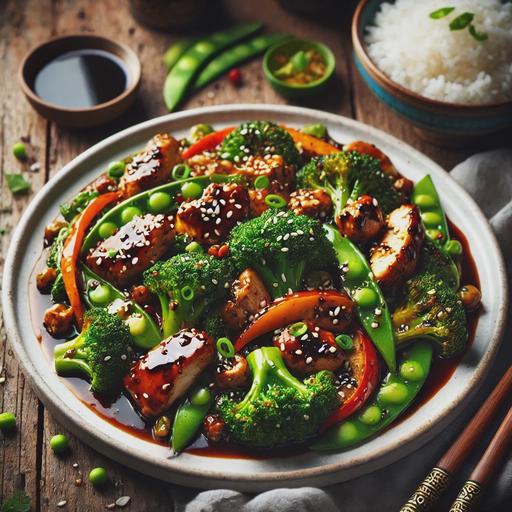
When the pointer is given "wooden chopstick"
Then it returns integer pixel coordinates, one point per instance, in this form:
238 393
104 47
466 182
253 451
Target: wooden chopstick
438 480
469 495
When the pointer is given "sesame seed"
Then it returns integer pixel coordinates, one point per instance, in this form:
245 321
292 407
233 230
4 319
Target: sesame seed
145 395
374 325
107 358
309 360
284 249
62 503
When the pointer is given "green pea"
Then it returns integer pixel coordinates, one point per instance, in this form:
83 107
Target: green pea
137 325
19 150
59 443
435 234
116 169
107 229
194 247
412 370
371 415
347 433
191 190
159 202
187 63
355 268
365 297
198 131
431 218
261 182
317 130
129 213
204 47
393 393
98 477
425 201
100 295
7 421
454 247
201 397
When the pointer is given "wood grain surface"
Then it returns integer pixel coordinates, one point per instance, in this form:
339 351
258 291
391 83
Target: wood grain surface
26 461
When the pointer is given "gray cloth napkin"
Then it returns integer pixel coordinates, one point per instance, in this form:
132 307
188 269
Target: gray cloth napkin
488 178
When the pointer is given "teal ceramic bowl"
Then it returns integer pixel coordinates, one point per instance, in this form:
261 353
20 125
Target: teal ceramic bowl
289 48
439 121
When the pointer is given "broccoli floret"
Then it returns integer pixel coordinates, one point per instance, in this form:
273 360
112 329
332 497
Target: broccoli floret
259 138
278 409
55 250
431 308
58 292
213 324
436 261
99 353
70 210
280 246
186 285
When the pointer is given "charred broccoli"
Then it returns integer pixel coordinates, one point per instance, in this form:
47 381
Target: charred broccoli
58 291
100 352
71 209
278 409
280 246
186 285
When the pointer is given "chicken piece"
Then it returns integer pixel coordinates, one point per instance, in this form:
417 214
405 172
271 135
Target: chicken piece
52 230
310 352
361 220
152 166
58 320
257 204
205 164
45 280
103 184
314 203
271 166
132 248
232 373
248 297
213 427
209 219
167 371
394 258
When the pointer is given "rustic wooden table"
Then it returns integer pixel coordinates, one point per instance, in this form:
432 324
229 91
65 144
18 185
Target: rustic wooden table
26 462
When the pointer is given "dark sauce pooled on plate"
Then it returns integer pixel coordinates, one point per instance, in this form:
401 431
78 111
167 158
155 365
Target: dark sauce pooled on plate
81 79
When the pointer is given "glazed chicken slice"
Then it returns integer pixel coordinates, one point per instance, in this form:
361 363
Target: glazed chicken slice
151 167
272 167
132 248
361 220
209 219
166 372
314 203
311 352
248 297
394 258
205 164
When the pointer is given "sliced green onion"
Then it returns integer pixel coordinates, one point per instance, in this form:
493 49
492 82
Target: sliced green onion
298 329
344 341
479 36
275 201
441 13
261 182
225 348
194 247
187 293
461 21
181 172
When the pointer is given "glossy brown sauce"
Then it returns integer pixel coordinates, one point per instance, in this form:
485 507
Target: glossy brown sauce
123 415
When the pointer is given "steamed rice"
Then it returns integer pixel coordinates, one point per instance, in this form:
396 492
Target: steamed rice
424 55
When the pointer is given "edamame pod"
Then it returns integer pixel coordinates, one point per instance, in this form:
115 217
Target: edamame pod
189 417
180 78
395 395
371 307
145 332
236 55
175 51
136 205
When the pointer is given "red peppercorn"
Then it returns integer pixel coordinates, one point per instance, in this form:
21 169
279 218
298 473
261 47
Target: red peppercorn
235 77
223 251
213 250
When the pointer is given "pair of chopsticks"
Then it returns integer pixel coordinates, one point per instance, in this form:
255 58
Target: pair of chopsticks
439 479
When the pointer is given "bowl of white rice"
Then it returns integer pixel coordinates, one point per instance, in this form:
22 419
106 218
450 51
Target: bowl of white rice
445 65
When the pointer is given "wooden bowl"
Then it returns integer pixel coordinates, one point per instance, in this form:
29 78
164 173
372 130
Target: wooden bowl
80 117
438 121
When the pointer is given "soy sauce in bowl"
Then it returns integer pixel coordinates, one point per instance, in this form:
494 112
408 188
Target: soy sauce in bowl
81 79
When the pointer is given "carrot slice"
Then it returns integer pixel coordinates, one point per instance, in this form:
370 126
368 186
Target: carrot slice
311 144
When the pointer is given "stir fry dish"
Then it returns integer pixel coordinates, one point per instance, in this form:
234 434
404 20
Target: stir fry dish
257 287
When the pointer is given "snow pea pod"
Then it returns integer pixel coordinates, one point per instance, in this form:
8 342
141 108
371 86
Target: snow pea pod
236 55
395 395
371 307
175 51
189 417
136 205
180 78
101 293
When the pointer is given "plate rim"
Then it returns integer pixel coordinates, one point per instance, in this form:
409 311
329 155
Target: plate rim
213 478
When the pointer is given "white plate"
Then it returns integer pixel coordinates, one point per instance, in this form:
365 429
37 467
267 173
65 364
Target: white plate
245 474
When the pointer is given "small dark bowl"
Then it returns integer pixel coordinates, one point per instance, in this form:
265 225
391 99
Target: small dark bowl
80 117
438 121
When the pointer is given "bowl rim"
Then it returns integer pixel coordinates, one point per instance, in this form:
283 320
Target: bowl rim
330 64
132 63
367 62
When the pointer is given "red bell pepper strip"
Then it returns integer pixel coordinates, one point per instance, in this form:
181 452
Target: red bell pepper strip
311 144
208 142
71 251
299 306
365 366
